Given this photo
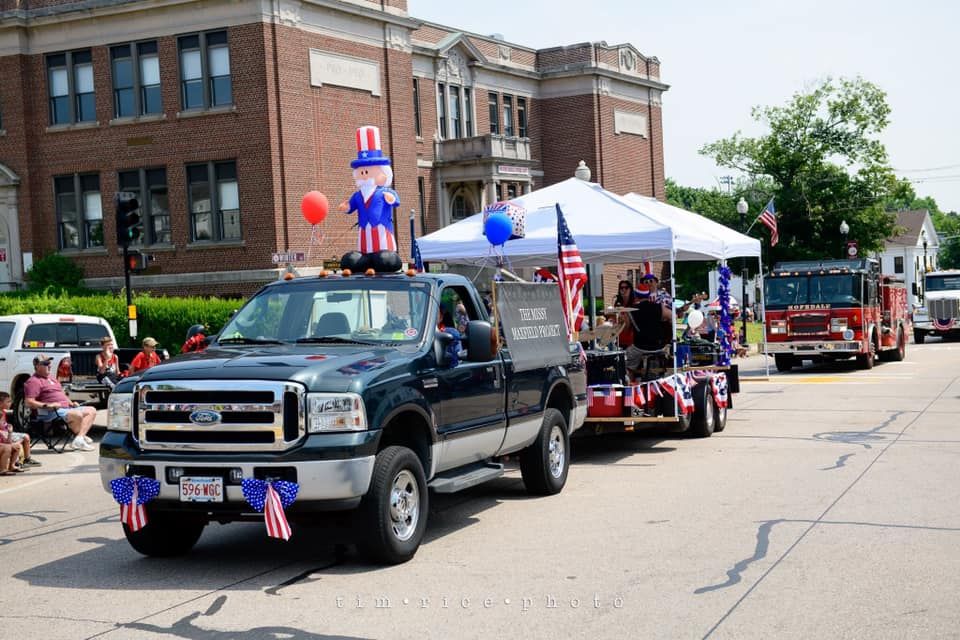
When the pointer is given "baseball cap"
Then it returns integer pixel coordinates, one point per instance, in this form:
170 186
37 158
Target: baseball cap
149 342
42 359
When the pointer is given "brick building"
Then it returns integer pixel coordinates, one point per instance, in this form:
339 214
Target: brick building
221 114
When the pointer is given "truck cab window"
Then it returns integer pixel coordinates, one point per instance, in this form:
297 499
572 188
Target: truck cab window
6 331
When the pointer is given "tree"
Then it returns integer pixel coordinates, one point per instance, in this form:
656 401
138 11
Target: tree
822 164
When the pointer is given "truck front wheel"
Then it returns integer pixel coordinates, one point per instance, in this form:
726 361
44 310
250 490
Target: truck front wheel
918 336
545 463
393 513
783 362
165 535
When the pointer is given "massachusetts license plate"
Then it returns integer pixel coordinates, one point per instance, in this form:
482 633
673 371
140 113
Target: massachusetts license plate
194 489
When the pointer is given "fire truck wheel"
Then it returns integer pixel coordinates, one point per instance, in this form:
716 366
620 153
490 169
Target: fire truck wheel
896 355
867 360
783 362
918 336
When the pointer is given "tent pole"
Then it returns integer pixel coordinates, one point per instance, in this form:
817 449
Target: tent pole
673 324
763 317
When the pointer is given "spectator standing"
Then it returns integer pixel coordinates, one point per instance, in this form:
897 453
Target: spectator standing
44 393
146 358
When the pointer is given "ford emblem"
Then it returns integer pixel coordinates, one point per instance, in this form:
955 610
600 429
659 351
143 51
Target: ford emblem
205 416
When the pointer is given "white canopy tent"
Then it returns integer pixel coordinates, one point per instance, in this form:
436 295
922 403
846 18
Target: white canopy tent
607 229
732 244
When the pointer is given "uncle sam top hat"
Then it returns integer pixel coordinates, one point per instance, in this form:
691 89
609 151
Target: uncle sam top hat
369 152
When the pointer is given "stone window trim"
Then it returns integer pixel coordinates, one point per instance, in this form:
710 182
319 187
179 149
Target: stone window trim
68 104
76 126
216 228
210 244
203 42
148 180
212 111
153 117
84 227
137 52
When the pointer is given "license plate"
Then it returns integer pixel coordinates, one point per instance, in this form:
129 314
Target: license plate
194 489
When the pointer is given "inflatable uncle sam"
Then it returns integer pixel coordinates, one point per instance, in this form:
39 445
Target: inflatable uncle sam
374 201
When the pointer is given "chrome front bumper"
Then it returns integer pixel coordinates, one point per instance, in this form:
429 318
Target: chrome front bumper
815 347
318 479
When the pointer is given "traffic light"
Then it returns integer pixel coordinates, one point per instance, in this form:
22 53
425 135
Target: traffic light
138 261
129 228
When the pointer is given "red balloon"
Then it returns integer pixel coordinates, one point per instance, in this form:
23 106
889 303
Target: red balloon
314 207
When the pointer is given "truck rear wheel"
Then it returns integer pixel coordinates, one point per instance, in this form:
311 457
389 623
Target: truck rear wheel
165 535
393 513
783 362
897 354
545 463
918 336
704 421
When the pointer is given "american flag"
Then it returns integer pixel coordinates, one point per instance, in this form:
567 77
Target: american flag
572 271
769 218
277 525
417 258
272 498
132 514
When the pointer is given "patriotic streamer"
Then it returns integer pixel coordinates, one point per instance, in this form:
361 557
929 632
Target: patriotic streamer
726 350
132 493
943 324
272 498
718 385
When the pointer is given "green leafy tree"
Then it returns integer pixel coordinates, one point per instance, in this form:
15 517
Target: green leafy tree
823 164
56 272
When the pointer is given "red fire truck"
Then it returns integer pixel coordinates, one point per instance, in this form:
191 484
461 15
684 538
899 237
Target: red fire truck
834 310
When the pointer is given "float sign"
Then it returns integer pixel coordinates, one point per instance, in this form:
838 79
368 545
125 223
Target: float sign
532 319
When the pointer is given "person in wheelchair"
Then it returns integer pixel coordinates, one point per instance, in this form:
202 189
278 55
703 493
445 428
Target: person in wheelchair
649 339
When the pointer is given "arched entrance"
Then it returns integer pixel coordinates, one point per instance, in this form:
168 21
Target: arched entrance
11 272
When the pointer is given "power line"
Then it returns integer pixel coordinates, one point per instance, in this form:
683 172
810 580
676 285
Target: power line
947 166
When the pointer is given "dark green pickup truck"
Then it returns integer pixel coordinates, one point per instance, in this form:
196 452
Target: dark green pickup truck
348 387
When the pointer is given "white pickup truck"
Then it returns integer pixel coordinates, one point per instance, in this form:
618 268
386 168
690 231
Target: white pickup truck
72 340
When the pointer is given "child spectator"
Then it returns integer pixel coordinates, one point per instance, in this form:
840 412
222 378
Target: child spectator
146 358
108 367
12 443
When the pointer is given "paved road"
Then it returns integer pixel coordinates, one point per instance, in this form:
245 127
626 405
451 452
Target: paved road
830 507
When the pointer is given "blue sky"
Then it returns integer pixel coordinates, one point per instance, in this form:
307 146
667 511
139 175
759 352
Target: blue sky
721 59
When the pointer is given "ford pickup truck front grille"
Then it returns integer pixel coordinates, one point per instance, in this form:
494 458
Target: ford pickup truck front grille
944 309
201 415
810 324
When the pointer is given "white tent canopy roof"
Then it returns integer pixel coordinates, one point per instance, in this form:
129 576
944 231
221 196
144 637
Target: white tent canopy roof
727 243
606 227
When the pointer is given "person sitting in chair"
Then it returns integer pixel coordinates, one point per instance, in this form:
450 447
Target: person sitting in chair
44 393
647 323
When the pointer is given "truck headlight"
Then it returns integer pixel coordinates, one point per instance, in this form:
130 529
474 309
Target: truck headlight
920 313
120 412
778 326
838 325
848 334
328 412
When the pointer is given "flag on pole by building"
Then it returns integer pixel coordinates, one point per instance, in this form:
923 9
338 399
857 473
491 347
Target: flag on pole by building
572 272
417 258
769 218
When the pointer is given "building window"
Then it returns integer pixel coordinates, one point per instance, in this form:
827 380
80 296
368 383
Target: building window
136 79
205 70
508 116
467 112
456 119
422 195
511 191
460 207
150 185
214 202
442 110
898 264
494 113
79 211
416 107
70 84
522 117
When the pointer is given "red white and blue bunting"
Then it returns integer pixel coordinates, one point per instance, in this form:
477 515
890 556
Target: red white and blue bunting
272 498
132 493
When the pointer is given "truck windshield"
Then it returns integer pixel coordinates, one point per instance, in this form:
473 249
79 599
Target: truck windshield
839 289
943 283
333 312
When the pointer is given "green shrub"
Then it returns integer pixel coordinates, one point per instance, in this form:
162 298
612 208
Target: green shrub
165 319
56 272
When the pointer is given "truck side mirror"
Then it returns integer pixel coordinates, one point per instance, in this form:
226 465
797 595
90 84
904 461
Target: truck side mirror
480 341
441 341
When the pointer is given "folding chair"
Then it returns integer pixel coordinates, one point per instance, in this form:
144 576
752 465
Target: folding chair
50 429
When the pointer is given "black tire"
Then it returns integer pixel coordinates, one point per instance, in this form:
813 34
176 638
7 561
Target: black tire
667 409
720 422
897 354
868 359
783 362
391 531
545 463
21 414
704 420
918 336
165 535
